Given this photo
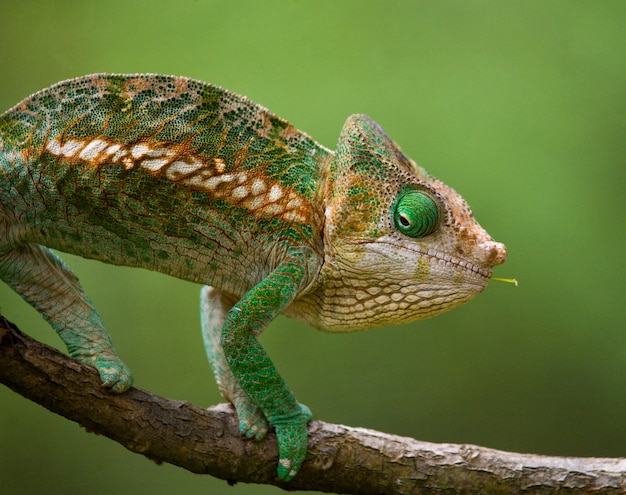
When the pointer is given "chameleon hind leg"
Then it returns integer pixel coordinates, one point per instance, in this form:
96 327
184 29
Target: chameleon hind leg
214 306
46 283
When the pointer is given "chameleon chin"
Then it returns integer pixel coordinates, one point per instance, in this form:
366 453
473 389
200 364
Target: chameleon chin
186 178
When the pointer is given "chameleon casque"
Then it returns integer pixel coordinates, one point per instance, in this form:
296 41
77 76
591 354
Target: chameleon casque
186 178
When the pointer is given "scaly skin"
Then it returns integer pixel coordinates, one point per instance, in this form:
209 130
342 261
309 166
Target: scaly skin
188 179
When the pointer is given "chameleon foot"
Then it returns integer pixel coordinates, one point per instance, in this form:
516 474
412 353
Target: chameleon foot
113 372
252 421
292 437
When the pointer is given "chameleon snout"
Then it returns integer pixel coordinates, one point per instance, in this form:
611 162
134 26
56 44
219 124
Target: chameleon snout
496 253
491 253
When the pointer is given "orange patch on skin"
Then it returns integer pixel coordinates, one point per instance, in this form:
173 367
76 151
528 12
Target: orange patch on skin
259 195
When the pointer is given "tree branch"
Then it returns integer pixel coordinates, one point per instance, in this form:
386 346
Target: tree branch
341 459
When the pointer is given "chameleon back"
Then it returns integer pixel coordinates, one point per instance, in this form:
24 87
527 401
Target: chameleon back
167 173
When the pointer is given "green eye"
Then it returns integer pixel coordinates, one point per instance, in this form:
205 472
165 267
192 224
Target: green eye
415 214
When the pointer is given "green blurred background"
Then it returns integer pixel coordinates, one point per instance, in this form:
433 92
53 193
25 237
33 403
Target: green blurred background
518 105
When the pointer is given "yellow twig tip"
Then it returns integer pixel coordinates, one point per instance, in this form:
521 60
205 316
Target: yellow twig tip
507 280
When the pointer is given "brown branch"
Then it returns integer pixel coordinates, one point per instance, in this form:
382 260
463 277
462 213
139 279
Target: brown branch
340 459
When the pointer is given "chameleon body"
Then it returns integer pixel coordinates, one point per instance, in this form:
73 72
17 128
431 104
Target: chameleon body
186 178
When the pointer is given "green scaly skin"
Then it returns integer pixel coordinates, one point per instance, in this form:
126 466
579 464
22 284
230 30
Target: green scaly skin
188 179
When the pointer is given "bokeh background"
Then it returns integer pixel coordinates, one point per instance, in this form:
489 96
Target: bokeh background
519 105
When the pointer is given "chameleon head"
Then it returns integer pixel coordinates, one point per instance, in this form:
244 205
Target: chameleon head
399 244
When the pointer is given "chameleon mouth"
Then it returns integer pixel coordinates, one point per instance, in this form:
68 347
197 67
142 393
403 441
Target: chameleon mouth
442 259
465 265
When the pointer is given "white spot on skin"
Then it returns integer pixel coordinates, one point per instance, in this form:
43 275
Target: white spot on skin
139 150
195 180
254 204
54 147
213 182
72 147
155 165
293 216
240 192
119 154
179 169
258 186
273 209
114 148
92 150
276 192
158 152
294 203
67 150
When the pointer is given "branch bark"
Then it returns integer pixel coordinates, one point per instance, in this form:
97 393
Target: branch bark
341 459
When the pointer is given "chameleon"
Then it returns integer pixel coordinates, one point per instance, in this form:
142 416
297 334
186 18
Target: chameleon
189 179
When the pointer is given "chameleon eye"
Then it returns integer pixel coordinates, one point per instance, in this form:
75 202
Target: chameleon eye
415 214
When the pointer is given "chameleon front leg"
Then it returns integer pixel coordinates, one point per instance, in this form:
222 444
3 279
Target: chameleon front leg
214 306
45 282
253 369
